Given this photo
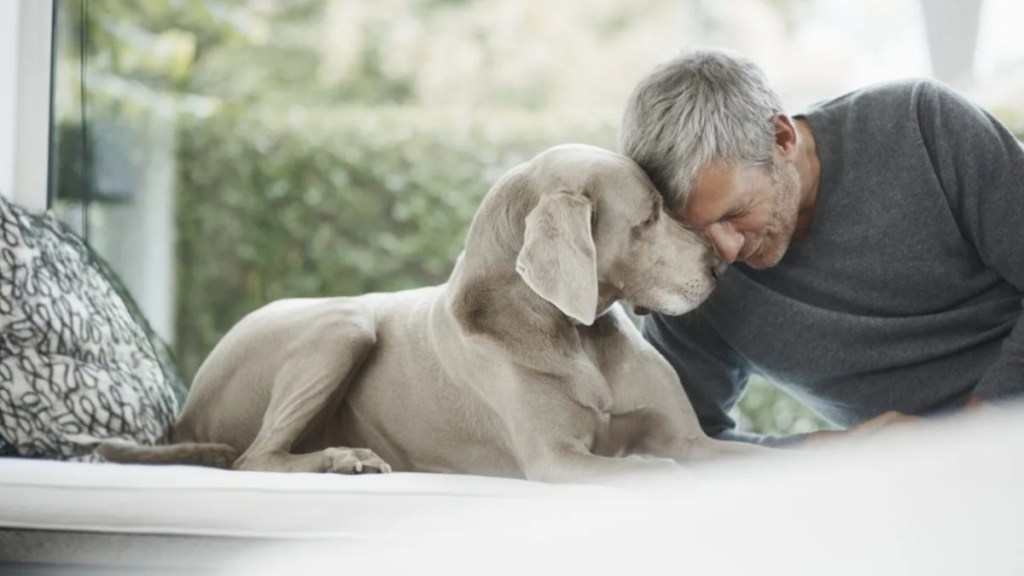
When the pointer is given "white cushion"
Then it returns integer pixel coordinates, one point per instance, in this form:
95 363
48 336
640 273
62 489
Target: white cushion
141 499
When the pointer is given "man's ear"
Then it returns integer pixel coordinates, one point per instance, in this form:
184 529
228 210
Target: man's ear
558 259
785 134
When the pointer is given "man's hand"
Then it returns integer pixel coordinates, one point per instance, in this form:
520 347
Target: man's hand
886 420
865 429
975 404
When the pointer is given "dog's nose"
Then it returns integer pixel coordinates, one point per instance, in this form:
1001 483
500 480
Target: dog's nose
717 265
713 260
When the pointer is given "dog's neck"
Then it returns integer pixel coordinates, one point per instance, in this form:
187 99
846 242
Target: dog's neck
485 293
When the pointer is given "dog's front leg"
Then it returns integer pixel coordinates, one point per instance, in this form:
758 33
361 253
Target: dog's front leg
554 436
672 435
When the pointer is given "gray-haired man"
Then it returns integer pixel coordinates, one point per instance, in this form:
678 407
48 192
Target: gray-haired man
878 241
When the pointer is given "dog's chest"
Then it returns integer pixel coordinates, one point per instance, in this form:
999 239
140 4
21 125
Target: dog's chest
626 400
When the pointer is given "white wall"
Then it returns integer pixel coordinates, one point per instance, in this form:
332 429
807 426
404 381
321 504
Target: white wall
8 91
25 47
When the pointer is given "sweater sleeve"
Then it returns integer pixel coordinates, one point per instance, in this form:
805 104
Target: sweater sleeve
980 167
709 371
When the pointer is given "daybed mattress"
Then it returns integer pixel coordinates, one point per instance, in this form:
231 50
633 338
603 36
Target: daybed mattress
946 499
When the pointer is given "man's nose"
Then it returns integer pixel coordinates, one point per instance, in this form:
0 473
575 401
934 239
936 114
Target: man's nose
727 241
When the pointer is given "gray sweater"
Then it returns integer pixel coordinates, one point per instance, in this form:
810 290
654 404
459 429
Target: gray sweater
906 295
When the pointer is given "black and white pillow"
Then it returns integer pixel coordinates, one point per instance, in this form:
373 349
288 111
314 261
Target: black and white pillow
78 362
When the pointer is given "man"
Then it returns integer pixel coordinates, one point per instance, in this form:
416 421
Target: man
878 242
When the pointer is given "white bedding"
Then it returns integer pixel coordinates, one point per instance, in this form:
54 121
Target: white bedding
139 499
948 499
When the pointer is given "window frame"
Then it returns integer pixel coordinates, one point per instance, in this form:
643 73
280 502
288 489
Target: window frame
26 74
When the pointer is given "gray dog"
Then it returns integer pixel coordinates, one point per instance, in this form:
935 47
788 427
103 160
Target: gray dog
521 365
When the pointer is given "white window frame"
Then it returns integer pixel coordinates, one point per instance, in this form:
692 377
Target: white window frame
26 42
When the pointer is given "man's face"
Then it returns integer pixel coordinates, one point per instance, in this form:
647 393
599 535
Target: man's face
748 212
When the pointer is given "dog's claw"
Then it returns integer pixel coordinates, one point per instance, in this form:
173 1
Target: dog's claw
353 461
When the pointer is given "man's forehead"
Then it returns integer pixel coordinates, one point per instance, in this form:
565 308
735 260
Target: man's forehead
714 191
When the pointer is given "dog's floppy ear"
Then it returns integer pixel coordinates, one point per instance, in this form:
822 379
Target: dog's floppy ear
558 259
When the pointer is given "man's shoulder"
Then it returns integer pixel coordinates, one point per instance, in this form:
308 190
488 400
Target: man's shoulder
894 109
902 88
903 96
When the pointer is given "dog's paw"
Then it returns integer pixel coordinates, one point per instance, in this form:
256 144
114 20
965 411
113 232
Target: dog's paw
353 461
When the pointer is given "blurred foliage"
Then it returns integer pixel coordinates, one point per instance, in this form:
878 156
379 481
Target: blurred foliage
166 43
767 409
1013 118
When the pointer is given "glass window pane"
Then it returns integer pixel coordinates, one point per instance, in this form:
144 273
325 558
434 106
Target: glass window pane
225 153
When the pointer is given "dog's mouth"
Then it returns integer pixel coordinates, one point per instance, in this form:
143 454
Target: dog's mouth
670 304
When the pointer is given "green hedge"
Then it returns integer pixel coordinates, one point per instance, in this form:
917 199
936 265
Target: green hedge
333 203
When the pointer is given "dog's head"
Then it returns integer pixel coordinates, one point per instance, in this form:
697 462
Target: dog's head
599 233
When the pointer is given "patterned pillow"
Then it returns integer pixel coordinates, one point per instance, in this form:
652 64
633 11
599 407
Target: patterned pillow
78 362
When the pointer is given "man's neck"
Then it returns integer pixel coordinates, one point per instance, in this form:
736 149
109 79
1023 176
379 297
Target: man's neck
808 167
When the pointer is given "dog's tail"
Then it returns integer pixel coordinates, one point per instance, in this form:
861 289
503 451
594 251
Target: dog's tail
199 454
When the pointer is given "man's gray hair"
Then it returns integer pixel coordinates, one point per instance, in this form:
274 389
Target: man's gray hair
702 107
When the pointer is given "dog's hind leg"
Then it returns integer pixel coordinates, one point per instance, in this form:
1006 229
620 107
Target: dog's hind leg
321 364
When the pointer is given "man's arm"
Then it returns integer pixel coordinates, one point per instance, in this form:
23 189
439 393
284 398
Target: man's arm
980 166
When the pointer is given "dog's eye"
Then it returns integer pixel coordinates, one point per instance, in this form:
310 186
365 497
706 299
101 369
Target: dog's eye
651 219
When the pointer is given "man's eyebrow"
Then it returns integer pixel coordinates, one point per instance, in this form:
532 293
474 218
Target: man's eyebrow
745 203
737 208
693 225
